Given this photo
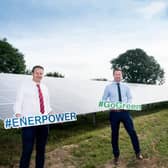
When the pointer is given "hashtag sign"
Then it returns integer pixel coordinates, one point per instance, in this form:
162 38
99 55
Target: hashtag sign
7 123
100 103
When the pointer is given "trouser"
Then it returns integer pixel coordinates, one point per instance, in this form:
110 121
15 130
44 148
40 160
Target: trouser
125 118
30 135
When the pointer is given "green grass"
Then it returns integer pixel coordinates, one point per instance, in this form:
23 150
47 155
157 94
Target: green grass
93 142
153 134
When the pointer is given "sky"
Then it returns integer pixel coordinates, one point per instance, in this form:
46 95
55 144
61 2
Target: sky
78 38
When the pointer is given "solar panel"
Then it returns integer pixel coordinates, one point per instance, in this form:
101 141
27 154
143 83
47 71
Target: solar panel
67 95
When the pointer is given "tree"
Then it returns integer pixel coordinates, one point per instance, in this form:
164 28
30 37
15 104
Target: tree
28 72
55 74
138 67
11 60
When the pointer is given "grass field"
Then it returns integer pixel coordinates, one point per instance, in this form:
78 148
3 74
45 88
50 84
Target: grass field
82 145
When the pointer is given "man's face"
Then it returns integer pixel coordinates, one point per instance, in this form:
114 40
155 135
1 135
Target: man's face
117 76
38 74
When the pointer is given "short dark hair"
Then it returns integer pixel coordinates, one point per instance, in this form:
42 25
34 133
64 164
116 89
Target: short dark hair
117 69
37 66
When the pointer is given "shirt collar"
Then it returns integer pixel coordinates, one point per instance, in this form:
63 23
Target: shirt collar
114 82
34 83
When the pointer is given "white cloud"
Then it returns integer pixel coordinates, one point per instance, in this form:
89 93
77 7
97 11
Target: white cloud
156 8
86 54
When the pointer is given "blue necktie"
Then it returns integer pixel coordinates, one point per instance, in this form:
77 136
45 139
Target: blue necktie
119 92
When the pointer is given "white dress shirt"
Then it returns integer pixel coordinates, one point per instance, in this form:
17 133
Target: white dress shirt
27 100
111 93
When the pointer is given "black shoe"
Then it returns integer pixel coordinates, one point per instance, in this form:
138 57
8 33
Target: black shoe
116 161
139 156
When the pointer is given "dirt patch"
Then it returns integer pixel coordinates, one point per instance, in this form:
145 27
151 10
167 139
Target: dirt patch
62 158
145 163
58 158
110 164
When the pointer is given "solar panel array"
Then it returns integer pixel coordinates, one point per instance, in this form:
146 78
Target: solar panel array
67 95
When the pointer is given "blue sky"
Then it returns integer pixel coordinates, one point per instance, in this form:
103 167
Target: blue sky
79 38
